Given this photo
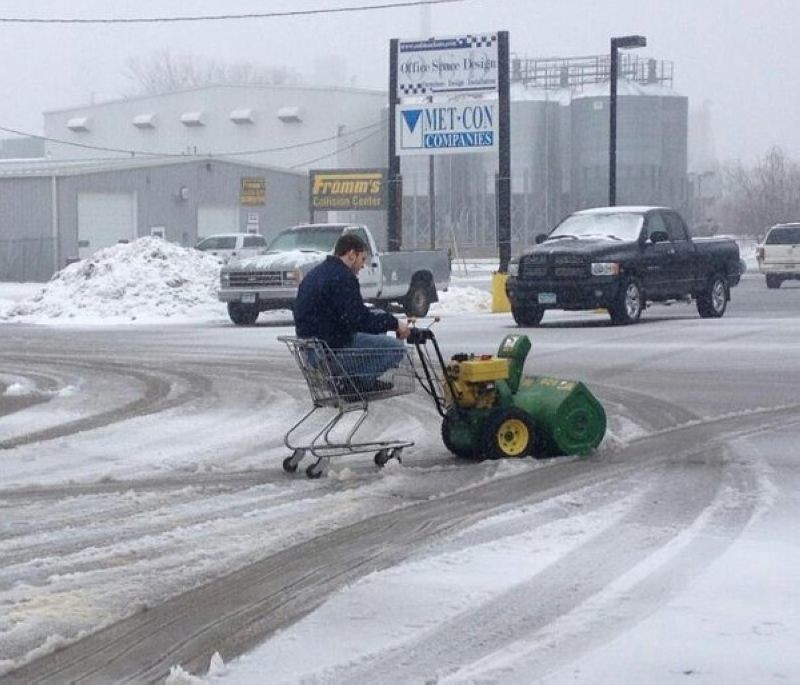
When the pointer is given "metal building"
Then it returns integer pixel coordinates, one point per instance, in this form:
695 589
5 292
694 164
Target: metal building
293 127
57 212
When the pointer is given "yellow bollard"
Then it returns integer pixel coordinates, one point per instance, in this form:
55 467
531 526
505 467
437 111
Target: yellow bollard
500 301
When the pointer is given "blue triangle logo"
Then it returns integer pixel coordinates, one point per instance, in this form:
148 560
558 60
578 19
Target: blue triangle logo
412 117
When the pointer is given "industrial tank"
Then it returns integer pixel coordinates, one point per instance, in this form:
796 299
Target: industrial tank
651 146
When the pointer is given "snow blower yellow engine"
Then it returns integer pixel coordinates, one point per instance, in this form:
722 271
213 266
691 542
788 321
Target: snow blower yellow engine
489 409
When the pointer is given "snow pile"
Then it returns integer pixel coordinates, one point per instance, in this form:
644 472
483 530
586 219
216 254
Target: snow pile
149 279
463 299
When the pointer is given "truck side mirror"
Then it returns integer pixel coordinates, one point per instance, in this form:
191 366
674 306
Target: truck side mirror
659 237
541 238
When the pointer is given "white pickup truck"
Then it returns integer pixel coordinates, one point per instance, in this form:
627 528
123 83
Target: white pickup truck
269 280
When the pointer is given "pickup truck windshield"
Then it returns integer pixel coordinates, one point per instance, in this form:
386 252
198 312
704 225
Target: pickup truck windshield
218 243
621 226
321 240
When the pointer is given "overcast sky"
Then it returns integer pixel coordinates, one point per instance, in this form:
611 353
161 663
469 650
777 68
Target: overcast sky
739 55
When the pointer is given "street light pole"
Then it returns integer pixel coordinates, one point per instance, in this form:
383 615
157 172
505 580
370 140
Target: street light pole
617 44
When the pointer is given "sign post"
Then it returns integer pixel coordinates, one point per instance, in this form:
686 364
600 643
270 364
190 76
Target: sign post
504 163
395 200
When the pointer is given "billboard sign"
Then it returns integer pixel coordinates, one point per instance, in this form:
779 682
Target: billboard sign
435 128
347 189
447 65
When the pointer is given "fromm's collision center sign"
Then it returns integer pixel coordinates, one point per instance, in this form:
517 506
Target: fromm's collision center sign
347 189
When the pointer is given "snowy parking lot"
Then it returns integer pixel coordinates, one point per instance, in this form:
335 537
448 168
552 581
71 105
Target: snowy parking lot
148 531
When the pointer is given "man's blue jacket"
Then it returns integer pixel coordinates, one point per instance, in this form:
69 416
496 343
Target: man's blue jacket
329 306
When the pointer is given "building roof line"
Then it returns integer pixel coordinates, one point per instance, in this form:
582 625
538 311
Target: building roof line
43 167
262 86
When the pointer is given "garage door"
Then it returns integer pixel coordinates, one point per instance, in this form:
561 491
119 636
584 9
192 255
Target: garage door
213 219
104 219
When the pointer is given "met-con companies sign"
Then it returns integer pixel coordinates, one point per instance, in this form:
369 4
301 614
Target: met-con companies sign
429 129
347 189
447 65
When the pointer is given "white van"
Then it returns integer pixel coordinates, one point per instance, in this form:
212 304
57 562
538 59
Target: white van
229 246
779 255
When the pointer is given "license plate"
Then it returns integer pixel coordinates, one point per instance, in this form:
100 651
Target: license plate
249 298
547 298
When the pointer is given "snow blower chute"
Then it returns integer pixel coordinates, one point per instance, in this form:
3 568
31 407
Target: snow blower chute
489 409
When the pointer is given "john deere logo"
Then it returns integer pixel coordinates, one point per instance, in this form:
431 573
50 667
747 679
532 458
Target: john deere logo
350 189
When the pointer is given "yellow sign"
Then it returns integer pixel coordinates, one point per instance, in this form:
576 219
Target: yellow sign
347 189
253 190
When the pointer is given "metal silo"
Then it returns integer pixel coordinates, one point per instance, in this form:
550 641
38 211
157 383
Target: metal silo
651 146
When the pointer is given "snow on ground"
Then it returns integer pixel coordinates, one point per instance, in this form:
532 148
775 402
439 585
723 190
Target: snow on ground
151 281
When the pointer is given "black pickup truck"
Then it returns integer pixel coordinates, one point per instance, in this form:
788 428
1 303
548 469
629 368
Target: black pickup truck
621 259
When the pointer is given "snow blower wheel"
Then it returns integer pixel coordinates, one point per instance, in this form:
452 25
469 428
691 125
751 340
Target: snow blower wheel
456 436
508 433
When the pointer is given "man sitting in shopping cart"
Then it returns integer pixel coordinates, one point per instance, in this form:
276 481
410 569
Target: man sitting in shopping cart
329 306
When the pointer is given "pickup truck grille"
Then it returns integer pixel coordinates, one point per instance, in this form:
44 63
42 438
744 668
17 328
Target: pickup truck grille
256 279
554 267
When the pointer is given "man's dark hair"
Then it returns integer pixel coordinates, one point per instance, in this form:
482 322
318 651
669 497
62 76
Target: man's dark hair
347 242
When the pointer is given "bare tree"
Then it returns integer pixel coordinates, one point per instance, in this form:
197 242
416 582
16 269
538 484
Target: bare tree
163 72
756 198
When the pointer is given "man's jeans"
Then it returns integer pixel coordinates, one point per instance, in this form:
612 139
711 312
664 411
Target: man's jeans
370 355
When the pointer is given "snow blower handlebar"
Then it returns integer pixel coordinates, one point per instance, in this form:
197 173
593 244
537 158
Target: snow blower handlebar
432 383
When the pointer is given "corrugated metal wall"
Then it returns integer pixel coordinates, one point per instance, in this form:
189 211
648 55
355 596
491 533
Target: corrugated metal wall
27 246
26 234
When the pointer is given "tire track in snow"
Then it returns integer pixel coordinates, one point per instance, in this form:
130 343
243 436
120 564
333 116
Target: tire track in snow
154 398
669 507
236 612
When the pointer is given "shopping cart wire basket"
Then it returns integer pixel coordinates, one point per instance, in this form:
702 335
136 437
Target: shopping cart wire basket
345 380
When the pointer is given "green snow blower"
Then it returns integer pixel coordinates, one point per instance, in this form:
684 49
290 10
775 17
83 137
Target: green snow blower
489 409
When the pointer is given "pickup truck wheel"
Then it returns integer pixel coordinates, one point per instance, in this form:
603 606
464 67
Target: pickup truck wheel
773 281
712 301
417 301
242 314
527 316
628 305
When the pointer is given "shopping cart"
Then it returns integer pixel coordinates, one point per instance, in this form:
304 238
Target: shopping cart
345 381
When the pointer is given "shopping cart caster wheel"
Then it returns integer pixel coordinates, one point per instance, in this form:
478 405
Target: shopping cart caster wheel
314 471
382 458
290 463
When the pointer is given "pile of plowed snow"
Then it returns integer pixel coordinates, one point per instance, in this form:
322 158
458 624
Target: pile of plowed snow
149 279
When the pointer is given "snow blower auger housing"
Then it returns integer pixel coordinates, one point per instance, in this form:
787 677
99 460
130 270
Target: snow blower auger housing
489 409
